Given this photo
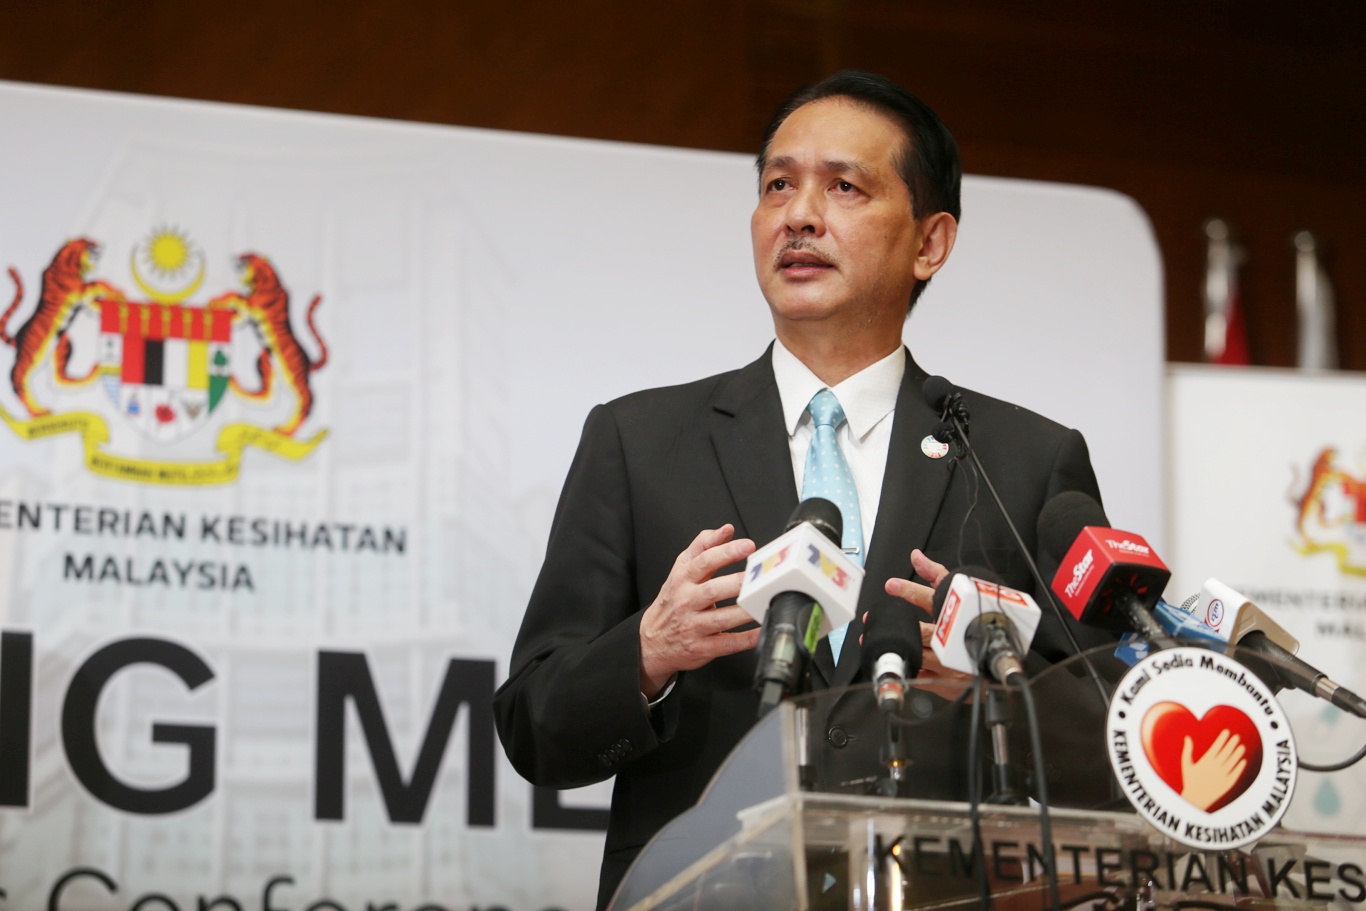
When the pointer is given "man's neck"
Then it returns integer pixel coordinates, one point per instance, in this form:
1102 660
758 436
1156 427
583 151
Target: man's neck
834 360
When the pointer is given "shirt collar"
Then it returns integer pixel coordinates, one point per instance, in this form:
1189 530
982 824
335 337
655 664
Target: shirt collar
867 397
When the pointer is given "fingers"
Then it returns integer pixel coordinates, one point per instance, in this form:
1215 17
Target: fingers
932 670
722 620
919 595
706 538
922 596
710 551
720 588
682 629
926 568
926 631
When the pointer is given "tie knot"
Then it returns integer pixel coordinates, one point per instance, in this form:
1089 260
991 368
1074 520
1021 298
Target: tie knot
825 409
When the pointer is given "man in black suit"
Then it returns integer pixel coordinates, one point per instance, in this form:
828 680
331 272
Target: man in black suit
627 663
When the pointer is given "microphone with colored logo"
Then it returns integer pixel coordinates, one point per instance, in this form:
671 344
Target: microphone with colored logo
983 626
1106 577
1245 625
800 586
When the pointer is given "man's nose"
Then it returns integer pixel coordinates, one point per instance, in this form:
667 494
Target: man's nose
806 212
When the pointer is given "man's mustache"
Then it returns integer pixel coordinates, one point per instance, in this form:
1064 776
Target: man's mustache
804 246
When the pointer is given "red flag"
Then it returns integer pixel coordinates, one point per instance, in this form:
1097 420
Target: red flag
1225 323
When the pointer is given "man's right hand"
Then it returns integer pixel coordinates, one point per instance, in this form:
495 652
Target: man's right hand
684 629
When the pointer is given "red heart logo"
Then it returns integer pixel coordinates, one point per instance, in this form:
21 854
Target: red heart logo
1165 729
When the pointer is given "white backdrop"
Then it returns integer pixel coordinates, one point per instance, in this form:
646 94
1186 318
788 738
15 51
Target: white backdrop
479 293
1268 485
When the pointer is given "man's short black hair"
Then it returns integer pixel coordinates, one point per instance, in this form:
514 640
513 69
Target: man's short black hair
928 162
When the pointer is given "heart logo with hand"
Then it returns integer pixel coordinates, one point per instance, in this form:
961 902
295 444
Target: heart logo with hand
1210 760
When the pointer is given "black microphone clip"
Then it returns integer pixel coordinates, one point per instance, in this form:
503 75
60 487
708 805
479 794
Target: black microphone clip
943 397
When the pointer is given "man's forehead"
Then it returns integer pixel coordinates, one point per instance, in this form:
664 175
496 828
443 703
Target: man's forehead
840 116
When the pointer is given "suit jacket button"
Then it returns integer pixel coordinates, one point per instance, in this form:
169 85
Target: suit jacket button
837 737
626 745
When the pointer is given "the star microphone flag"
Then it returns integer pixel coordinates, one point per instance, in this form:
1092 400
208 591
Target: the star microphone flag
1225 326
1318 348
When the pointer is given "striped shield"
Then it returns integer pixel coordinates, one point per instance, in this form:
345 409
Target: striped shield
165 366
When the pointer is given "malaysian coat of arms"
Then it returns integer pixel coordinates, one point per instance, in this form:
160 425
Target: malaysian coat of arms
166 367
1330 512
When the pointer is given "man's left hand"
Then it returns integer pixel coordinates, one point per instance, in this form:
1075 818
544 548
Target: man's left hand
922 596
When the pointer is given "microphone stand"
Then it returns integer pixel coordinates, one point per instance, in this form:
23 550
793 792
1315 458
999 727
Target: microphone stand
999 717
892 780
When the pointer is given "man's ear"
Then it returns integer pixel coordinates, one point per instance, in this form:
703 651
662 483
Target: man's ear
937 234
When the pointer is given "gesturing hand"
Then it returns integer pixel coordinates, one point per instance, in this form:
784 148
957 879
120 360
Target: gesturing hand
922 596
683 629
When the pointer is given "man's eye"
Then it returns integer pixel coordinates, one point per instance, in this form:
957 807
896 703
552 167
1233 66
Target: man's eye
845 186
778 184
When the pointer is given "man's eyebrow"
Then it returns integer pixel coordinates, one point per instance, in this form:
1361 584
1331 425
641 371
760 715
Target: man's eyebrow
834 165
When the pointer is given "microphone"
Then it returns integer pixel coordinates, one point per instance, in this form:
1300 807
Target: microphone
943 397
1106 578
799 586
891 651
936 391
1176 622
983 626
1245 625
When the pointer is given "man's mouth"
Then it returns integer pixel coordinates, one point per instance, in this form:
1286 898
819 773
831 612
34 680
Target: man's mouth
802 259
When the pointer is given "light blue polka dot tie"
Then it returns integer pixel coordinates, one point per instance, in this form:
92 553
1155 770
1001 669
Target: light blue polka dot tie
827 475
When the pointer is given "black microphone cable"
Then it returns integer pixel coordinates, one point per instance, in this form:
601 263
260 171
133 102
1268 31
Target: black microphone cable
979 860
1040 788
1021 682
1335 766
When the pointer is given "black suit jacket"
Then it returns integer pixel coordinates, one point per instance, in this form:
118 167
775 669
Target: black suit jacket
655 468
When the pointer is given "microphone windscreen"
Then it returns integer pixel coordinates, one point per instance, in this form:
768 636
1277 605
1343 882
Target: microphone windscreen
1062 519
935 390
893 626
821 513
941 591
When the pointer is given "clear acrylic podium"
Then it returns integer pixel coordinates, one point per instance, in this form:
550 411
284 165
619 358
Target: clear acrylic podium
805 814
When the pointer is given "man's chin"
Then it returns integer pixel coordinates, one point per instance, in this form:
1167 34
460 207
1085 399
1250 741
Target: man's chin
803 310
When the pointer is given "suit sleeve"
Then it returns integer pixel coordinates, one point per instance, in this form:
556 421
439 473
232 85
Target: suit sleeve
571 712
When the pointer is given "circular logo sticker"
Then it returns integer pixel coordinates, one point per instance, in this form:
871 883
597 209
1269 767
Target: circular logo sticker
1214 613
1201 748
933 448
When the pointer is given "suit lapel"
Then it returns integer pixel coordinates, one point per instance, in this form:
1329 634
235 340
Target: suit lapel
913 488
751 447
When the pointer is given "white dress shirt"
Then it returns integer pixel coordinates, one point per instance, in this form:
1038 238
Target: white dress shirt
869 402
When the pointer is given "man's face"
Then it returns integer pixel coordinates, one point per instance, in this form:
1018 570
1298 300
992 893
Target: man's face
834 234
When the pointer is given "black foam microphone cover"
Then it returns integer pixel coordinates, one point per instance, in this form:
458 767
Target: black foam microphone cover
893 626
1062 519
935 391
821 513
